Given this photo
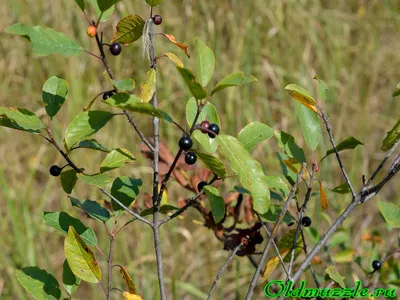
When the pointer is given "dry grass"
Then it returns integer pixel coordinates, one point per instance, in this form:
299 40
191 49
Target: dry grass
351 44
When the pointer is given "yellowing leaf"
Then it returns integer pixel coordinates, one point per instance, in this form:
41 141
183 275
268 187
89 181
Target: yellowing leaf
148 87
128 280
129 296
129 29
302 95
273 263
324 201
294 165
172 39
175 59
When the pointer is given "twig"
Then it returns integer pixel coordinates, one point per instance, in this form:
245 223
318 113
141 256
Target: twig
328 127
221 271
111 237
274 231
139 132
132 213
92 54
101 251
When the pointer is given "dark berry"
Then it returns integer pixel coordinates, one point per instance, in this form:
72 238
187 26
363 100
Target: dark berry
108 94
214 128
206 125
376 264
306 221
55 170
157 19
190 158
115 49
185 143
290 224
201 185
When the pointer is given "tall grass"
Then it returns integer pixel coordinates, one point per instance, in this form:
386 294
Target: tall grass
352 45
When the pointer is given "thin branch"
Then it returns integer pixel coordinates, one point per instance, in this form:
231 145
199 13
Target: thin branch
102 253
274 231
117 289
111 237
221 271
132 213
187 205
328 127
92 54
139 132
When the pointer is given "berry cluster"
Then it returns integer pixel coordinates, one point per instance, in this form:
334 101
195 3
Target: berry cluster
211 129
185 143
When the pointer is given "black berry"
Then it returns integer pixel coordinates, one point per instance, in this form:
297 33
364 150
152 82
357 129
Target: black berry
190 158
185 143
201 185
108 94
204 124
290 224
214 128
376 265
55 170
306 221
157 19
115 49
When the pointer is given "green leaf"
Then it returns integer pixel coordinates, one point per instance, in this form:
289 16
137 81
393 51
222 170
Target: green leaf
309 122
98 180
254 133
195 88
84 125
132 103
92 208
153 3
129 29
70 281
175 59
208 113
104 15
275 182
92 144
251 175
106 4
123 85
61 222
81 4
125 189
212 163
217 203
342 189
20 119
205 62
163 209
349 143
68 180
335 276
46 41
116 159
302 96
39 283
273 214
391 213
54 93
148 87
81 258
396 91
392 137
322 88
288 144
234 79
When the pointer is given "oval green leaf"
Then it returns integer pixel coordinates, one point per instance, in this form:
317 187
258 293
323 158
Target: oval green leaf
217 203
310 126
81 4
84 125
98 180
208 113
105 4
70 281
212 163
251 175
288 144
392 137
81 258
68 180
234 79
54 93
125 189
61 221
20 119
92 208
116 159
153 3
46 41
129 29
195 88
253 134
205 62
92 144
39 283
349 143
391 213
103 15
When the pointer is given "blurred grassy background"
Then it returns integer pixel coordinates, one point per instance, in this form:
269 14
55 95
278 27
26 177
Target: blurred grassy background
351 44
